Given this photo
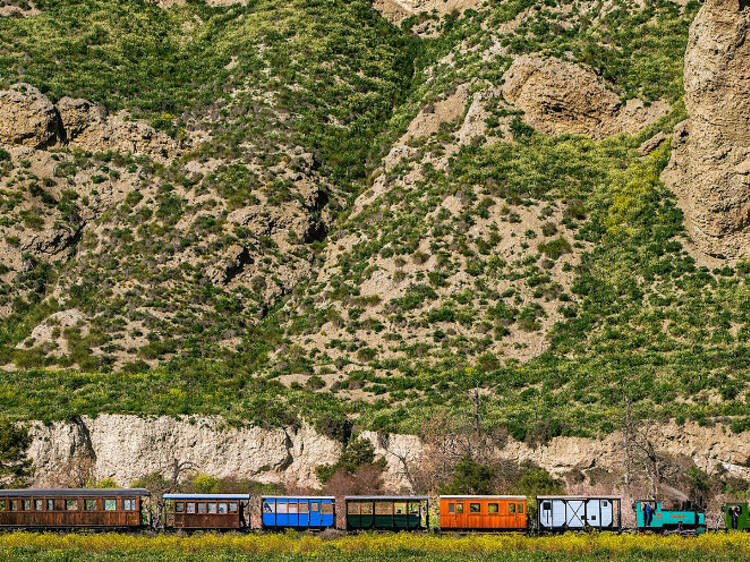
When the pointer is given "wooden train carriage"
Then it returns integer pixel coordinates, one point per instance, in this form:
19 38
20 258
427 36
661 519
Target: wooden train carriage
737 516
298 512
207 511
391 513
558 514
483 513
72 508
651 516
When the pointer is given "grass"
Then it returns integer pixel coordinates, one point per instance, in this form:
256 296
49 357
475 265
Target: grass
398 547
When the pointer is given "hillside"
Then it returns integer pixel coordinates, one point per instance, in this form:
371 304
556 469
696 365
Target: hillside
272 212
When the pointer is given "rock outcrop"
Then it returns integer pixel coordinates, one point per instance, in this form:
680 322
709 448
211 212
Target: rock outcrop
559 97
397 11
126 448
28 118
710 166
88 126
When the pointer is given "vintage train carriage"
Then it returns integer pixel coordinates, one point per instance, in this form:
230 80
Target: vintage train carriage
558 514
483 513
298 512
62 508
207 511
736 516
660 520
392 513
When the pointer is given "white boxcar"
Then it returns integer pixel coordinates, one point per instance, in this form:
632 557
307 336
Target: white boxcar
569 513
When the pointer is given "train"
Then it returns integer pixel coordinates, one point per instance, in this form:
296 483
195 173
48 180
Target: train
124 510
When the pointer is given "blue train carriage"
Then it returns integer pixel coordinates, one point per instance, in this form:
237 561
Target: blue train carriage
558 514
298 512
387 513
651 516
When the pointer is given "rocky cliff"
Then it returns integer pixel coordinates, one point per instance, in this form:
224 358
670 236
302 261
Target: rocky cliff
128 447
710 166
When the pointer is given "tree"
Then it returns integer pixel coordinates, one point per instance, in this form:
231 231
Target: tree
15 468
470 477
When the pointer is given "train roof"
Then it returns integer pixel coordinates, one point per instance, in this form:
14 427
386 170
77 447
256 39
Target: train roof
206 496
482 497
577 498
298 497
21 492
387 498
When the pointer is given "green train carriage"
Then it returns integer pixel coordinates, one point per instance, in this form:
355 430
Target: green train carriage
387 513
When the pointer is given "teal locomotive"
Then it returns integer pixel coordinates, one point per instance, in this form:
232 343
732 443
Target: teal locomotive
651 516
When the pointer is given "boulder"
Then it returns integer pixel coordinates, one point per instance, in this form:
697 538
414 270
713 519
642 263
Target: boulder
710 166
28 118
561 97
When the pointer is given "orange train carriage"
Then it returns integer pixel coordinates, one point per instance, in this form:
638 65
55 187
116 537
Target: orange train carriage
483 513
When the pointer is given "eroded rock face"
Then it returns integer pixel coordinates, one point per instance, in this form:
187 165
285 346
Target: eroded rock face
397 11
710 166
28 118
126 448
87 126
559 97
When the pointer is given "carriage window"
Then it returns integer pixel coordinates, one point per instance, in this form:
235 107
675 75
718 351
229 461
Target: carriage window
367 508
451 508
190 507
492 508
383 508
50 505
327 507
39 505
304 507
222 508
511 508
315 507
414 508
179 507
281 508
128 505
292 507
2 505
474 508
268 507
201 508
399 508
604 503
459 508
233 507
14 505
212 508
520 508
89 505
71 505
26 505
110 505
352 509
546 506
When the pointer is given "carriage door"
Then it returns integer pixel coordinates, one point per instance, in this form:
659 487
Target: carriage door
575 514
545 514
315 519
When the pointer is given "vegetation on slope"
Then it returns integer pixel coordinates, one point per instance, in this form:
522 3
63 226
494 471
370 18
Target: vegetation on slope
639 321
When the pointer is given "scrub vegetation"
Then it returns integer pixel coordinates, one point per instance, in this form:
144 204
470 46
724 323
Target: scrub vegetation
601 303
